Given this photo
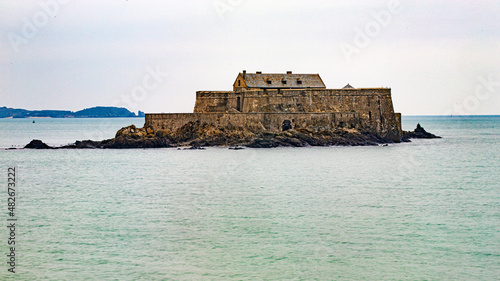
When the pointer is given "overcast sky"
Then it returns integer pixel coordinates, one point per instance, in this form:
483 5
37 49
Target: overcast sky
439 57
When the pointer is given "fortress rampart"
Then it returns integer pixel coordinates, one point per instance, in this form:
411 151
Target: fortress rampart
278 109
291 100
255 122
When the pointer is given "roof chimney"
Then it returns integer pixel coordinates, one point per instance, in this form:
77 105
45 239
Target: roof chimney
288 72
258 72
244 74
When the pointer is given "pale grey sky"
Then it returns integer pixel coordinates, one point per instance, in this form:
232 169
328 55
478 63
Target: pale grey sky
439 57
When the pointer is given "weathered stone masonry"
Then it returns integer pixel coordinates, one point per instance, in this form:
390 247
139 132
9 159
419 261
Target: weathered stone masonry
308 105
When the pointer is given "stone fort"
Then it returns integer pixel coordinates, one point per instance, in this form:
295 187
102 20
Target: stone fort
274 102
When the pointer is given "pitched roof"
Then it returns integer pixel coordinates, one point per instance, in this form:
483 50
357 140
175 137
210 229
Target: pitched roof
281 80
348 86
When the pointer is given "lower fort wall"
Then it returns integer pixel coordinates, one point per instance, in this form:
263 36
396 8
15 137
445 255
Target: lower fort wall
256 122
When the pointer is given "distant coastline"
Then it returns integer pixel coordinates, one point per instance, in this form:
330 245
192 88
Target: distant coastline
93 112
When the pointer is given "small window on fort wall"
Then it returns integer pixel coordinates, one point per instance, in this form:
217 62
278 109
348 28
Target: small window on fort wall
284 82
299 82
269 82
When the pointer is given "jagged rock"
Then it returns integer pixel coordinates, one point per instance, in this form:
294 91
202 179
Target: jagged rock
263 143
418 133
131 131
236 147
87 144
162 133
134 142
37 144
194 148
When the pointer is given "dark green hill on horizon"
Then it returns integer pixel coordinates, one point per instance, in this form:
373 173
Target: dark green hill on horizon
93 112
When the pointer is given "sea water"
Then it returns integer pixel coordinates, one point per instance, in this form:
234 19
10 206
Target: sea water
425 210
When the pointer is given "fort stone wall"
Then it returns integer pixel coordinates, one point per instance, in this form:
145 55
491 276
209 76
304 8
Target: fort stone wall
373 106
255 122
289 100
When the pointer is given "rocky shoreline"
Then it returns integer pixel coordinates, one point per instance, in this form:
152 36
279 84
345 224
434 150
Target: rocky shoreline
196 135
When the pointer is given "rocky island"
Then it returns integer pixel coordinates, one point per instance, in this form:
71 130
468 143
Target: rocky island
196 135
270 110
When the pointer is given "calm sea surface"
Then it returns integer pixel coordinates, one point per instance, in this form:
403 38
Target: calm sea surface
425 210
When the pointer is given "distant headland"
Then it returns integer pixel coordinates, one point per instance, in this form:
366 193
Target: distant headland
93 112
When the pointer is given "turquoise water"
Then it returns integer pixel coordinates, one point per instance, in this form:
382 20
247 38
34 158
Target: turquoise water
425 210
17 133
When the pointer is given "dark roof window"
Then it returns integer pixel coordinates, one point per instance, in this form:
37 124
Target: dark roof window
269 82
253 80
299 82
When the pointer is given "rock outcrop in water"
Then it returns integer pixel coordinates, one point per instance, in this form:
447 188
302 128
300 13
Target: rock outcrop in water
195 134
418 133
37 144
